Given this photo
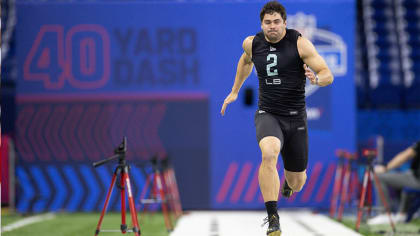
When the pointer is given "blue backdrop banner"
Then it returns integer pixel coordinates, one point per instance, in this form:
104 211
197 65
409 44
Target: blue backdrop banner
169 65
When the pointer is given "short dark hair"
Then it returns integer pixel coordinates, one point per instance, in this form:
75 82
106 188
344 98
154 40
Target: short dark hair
271 7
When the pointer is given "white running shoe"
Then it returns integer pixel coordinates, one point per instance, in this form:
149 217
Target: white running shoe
383 219
378 220
399 217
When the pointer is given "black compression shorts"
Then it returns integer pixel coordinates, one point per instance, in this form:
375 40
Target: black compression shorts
293 134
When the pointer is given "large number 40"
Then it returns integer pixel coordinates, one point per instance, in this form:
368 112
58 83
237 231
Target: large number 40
81 57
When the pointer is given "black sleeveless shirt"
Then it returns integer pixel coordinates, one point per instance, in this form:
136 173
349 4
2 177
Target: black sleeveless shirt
281 75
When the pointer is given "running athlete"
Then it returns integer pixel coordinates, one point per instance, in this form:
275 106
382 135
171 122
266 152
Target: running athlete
283 60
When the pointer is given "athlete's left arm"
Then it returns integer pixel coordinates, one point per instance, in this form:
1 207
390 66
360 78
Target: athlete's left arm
311 58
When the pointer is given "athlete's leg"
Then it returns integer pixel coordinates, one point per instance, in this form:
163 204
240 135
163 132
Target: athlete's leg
295 157
295 180
270 139
268 176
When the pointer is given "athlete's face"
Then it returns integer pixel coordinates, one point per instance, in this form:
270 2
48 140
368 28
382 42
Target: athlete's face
273 27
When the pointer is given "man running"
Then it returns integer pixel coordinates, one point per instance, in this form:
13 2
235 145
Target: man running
281 57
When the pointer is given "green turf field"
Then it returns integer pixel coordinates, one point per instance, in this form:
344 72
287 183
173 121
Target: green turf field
84 224
410 229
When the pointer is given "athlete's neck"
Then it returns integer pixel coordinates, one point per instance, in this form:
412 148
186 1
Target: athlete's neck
281 37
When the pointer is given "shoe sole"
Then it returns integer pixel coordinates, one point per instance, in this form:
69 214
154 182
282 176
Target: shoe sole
276 233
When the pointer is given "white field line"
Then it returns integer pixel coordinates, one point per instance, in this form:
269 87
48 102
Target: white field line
27 221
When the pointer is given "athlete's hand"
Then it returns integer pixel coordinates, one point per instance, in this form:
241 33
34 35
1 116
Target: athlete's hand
309 74
229 99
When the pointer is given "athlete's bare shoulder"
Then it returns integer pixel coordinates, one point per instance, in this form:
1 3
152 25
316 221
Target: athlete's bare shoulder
305 47
247 46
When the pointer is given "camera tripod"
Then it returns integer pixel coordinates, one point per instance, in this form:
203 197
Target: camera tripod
120 171
369 172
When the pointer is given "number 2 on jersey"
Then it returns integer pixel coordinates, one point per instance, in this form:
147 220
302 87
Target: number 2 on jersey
273 64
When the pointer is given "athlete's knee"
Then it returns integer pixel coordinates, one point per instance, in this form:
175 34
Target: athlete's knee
297 182
270 157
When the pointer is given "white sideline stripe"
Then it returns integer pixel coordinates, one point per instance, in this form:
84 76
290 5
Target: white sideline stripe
27 221
248 223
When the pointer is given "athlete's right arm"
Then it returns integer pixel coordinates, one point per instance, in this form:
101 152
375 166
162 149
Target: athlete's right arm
243 70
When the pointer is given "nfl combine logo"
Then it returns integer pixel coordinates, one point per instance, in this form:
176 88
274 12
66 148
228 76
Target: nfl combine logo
328 44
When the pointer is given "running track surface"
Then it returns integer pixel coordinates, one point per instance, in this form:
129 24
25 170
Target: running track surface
248 223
